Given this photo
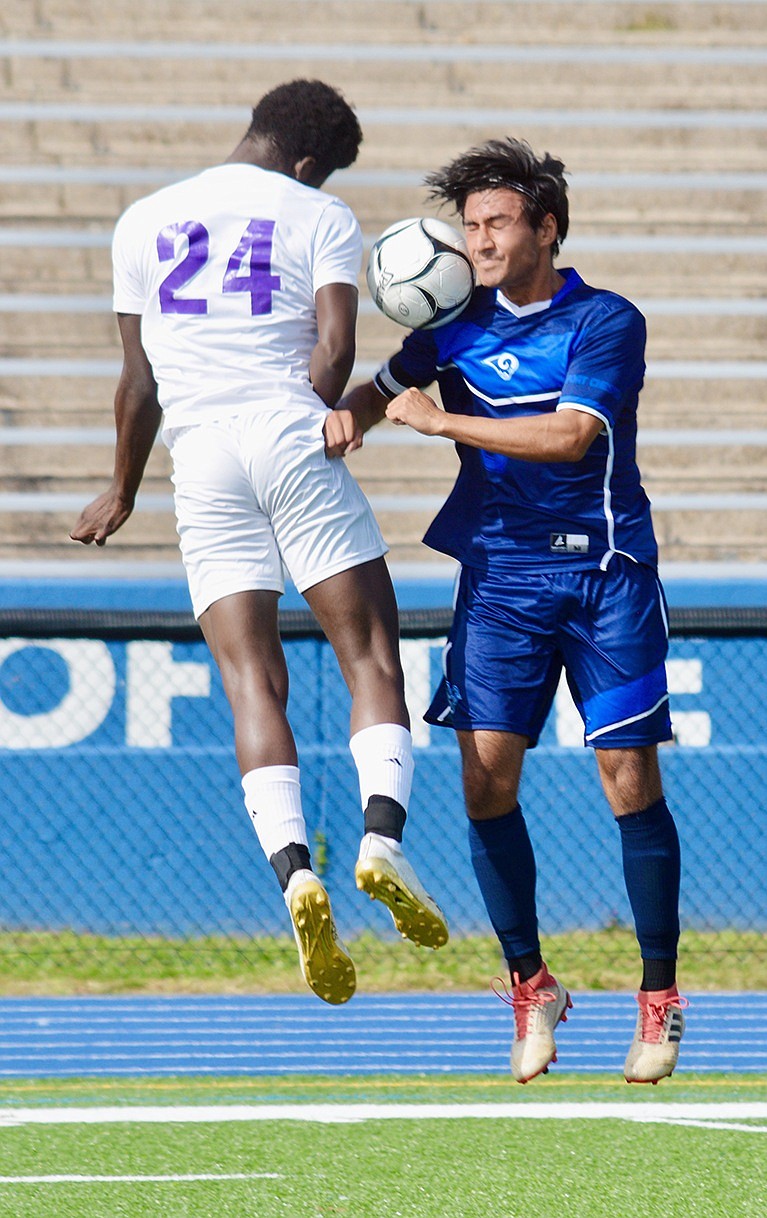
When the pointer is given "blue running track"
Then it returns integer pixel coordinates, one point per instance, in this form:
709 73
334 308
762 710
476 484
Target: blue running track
403 1033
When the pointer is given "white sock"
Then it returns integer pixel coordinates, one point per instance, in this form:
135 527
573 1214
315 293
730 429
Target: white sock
273 801
383 755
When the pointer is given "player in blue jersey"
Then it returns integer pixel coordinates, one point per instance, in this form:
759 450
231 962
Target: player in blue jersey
540 378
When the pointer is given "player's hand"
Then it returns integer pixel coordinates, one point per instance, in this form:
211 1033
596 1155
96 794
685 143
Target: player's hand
342 432
101 518
417 410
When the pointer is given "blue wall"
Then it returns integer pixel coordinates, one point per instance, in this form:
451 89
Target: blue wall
122 807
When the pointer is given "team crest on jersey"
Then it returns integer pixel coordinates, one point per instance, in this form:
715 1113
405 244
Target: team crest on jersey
504 364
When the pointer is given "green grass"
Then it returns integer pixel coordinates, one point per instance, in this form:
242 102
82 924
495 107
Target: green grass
66 963
406 1168
375 1088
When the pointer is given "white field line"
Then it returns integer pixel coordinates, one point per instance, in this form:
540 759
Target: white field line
642 1112
70 1179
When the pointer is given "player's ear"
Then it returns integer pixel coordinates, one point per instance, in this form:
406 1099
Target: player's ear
548 229
306 171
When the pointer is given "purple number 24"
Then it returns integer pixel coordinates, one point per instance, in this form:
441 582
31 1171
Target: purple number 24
249 268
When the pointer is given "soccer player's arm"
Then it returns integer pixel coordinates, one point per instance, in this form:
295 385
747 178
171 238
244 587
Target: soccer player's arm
335 256
608 360
332 359
414 364
563 436
137 418
137 410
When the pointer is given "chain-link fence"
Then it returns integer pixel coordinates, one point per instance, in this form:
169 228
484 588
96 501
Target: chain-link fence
129 860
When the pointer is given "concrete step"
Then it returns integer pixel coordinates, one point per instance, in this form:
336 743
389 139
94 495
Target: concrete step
674 268
387 21
406 139
394 462
68 468
697 536
94 335
614 206
373 73
684 401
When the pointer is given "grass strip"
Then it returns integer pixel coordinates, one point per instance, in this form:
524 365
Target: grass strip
61 963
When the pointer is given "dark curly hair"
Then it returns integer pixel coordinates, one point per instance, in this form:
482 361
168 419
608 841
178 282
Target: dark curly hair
308 118
509 164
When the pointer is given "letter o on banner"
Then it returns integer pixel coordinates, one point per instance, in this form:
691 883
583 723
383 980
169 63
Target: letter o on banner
85 706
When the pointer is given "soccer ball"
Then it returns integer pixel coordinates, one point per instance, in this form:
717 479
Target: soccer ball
419 273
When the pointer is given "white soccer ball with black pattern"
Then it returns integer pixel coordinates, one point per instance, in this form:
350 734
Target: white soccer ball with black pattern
420 274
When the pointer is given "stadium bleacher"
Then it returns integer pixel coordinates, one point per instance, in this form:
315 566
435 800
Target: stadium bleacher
659 111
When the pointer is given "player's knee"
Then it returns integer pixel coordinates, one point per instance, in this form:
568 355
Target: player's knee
630 777
486 798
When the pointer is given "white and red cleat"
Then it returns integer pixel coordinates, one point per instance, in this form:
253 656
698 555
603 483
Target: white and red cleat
539 1005
654 1051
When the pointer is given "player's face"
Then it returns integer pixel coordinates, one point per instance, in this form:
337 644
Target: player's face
507 252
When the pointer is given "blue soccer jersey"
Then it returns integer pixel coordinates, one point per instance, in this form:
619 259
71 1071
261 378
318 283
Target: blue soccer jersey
582 350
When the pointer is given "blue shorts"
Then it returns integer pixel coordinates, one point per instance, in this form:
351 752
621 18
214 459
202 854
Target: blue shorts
512 636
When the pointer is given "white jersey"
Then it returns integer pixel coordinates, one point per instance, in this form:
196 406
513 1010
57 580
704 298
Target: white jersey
223 269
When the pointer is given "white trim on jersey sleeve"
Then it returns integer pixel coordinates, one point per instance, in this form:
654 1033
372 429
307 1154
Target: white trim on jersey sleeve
336 247
384 381
597 414
129 294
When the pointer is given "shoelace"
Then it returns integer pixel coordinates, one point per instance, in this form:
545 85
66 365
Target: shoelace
521 1004
654 1017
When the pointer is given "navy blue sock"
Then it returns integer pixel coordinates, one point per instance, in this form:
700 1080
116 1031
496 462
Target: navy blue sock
504 864
651 868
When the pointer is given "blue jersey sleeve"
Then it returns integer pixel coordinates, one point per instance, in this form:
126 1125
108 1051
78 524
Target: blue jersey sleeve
414 365
606 367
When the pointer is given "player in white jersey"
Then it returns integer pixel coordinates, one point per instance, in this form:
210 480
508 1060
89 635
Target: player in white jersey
236 295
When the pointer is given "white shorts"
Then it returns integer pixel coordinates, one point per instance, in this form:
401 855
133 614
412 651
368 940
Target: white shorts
257 498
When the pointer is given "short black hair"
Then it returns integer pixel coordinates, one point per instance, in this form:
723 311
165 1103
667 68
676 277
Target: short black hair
308 118
507 164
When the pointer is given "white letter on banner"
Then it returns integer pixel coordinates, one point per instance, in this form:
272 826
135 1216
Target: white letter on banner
154 680
83 708
569 725
416 663
691 728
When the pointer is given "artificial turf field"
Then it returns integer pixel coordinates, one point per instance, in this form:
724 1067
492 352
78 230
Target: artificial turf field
693 1147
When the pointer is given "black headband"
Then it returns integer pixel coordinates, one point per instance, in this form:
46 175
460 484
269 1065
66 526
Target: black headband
499 183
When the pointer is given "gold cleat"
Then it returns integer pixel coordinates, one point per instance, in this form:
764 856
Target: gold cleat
326 965
385 875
